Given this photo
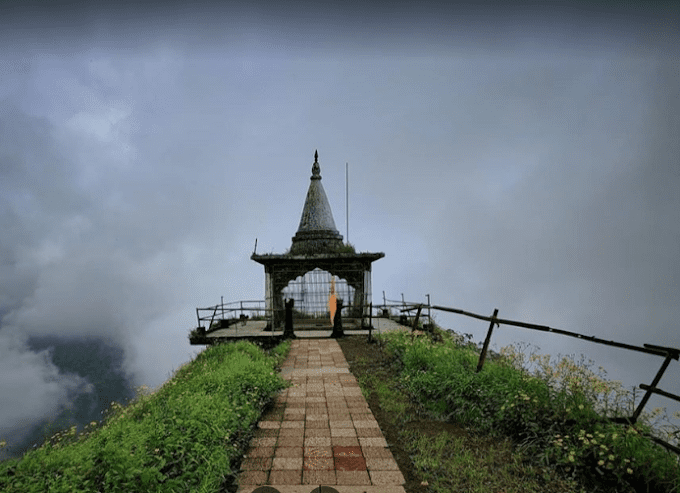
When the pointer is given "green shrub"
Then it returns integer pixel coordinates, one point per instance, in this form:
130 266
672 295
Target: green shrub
557 413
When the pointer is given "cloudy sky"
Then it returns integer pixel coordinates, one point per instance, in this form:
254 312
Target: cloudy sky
521 158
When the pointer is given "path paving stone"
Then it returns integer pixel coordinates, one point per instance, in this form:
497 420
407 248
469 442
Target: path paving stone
321 436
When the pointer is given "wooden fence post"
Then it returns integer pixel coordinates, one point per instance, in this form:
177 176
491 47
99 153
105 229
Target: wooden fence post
482 356
212 319
656 380
370 323
415 322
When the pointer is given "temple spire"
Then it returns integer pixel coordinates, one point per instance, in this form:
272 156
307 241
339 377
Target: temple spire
316 169
317 232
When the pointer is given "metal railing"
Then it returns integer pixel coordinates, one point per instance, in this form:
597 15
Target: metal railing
225 313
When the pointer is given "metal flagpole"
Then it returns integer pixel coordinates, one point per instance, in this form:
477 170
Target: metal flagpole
347 198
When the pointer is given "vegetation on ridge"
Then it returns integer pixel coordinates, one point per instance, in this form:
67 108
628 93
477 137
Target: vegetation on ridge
346 248
553 415
186 436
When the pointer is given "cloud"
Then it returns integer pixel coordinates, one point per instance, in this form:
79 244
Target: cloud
33 388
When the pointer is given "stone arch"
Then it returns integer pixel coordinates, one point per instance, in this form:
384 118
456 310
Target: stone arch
311 292
280 270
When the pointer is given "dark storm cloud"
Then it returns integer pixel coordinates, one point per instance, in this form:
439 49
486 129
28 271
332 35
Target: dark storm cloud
374 28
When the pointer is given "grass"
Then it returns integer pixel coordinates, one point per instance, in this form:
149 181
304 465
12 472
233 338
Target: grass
439 456
545 424
189 435
344 248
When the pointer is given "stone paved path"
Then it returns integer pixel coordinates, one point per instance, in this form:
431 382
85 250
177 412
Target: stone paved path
321 436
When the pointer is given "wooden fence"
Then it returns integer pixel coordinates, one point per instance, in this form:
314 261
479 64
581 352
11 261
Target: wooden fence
668 353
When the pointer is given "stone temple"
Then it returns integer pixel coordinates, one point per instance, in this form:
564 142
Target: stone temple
317 265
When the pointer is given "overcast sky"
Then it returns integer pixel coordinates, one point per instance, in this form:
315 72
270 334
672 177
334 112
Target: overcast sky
521 158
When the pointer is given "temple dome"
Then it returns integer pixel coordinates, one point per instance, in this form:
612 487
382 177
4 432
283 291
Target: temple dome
317 232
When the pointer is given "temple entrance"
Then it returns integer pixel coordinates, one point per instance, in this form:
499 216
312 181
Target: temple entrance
311 280
314 295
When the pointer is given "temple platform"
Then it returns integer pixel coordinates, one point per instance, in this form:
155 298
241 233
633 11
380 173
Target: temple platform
254 331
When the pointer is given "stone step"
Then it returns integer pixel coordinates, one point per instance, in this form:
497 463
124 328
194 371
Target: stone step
321 489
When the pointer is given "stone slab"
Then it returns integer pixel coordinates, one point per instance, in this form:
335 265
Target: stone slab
322 489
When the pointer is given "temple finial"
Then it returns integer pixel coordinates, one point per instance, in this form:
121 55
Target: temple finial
316 169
